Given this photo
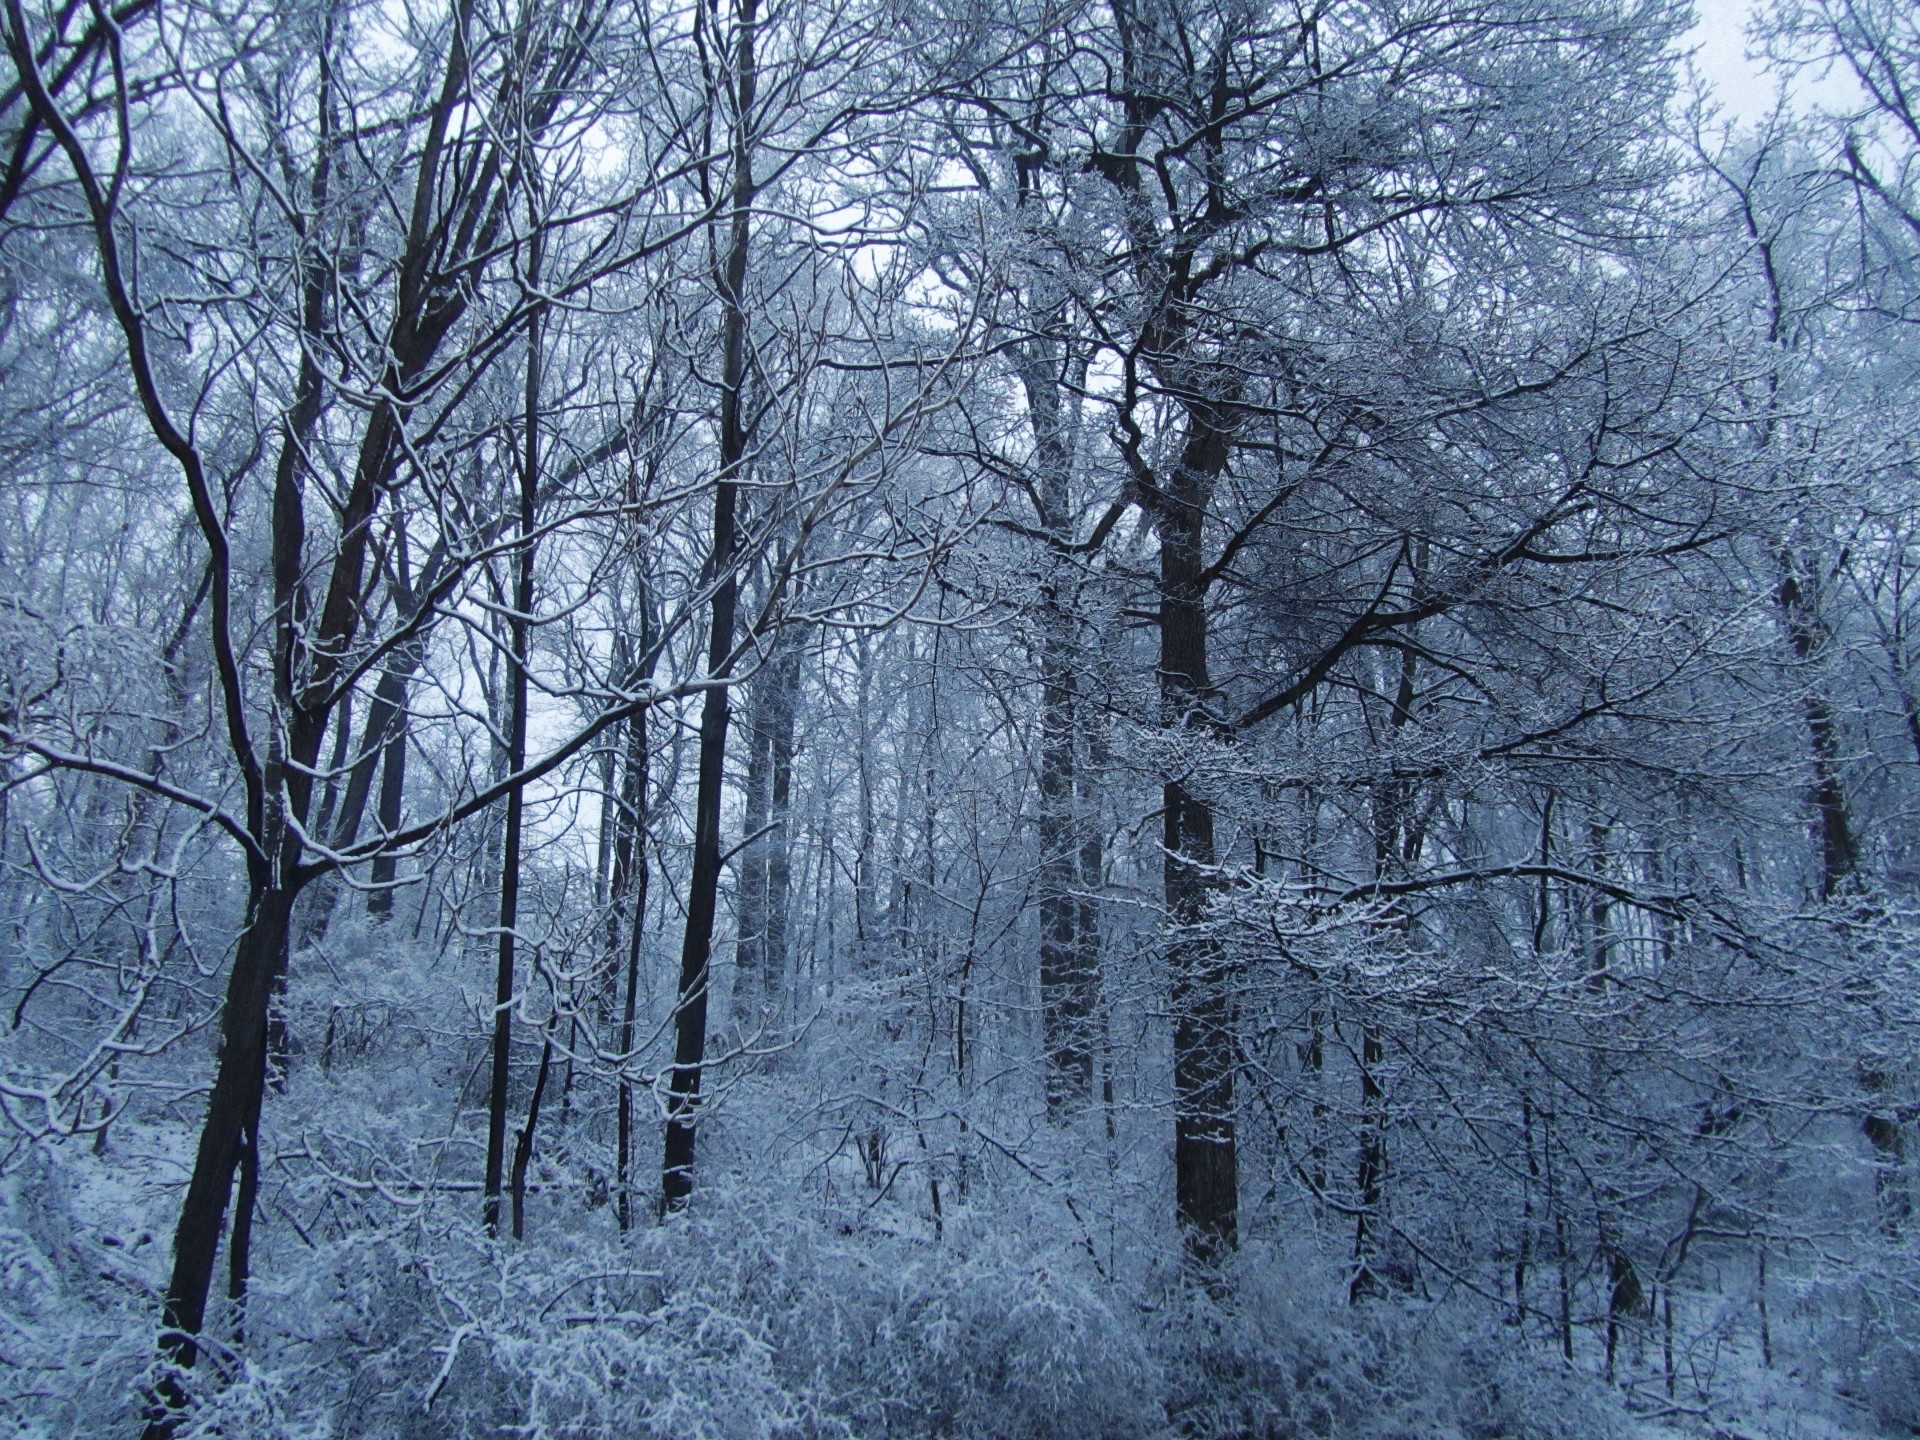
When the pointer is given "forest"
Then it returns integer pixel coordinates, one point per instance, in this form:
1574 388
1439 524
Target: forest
958 718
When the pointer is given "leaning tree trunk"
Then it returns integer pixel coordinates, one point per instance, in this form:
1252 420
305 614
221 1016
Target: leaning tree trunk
523 1144
233 1111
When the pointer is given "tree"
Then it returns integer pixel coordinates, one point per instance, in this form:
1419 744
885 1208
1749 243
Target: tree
418 335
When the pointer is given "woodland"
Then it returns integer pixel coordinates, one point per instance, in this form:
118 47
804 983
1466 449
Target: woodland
957 718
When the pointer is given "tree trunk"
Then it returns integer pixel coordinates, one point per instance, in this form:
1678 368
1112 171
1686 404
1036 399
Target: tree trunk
1065 1011
1398 836
517 631
1087 912
750 905
690 1013
1205 1044
1839 857
780 812
233 1110
1067 998
393 789
634 815
523 1144
865 883
1839 849
1370 1182
1206 1168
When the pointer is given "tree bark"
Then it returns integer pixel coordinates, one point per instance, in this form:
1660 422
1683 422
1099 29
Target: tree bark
238 1088
1205 1051
1839 858
766 867
1370 1182
393 789
690 1013
523 1144
750 905
1066 984
634 816
780 813
1397 839
865 883
1839 849
517 630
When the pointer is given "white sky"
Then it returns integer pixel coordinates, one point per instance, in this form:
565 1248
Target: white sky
1741 85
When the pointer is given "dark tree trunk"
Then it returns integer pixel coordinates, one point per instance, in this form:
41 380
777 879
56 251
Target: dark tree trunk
1523 1253
503 982
1625 1299
1205 1048
385 738
517 642
1205 1043
1066 1001
1563 1259
1599 909
1887 1136
386 720
1370 1182
750 905
865 883
1313 1062
633 816
773 955
523 1143
690 1013
233 1112
336 768
393 789
1839 849
1087 927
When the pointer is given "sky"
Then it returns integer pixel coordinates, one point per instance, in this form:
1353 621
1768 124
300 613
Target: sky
1742 86
1738 83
